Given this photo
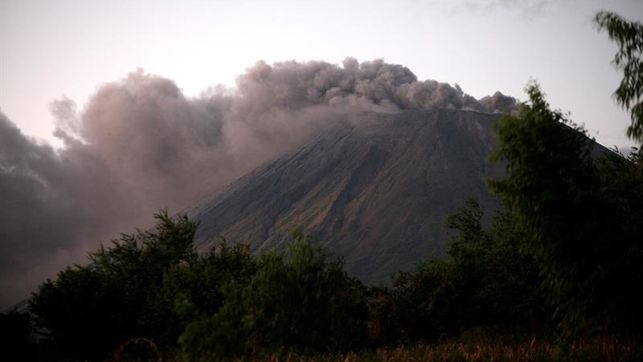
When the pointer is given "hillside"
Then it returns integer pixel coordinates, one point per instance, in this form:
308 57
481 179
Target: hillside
375 191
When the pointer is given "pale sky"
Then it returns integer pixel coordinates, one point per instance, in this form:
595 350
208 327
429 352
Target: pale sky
50 49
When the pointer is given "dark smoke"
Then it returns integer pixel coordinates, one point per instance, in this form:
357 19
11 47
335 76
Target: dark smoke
141 145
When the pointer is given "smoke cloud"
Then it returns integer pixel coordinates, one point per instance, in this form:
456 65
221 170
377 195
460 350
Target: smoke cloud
140 145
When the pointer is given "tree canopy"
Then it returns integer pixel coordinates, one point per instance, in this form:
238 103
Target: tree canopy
577 203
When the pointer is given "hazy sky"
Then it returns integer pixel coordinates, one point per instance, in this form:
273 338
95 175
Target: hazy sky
55 48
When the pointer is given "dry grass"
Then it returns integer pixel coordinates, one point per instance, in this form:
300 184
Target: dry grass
474 349
599 349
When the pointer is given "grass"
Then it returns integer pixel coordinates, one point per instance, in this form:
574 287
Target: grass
474 349
534 350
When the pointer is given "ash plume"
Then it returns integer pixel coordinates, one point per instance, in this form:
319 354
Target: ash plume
140 145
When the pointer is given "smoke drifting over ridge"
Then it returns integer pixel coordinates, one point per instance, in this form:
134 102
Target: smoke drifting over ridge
140 145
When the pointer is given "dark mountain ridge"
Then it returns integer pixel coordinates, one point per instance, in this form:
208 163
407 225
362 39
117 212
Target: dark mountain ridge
375 190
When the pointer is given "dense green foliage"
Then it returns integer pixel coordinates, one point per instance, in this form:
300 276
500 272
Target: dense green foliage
153 289
87 311
488 280
577 205
296 301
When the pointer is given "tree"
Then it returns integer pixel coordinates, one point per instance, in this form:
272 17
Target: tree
548 184
81 314
488 280
299 300
16 335
88 310
578 206
198 288
629 58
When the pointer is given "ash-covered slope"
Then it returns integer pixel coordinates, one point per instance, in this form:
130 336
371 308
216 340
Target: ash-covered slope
376 191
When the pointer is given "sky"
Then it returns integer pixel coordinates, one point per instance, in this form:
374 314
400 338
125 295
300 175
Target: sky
67 48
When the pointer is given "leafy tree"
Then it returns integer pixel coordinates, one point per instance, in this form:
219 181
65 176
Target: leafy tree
428 303
80 313
299 300
548 184
501 274
88 310
629 58
487 280
562 191
198 287
16 335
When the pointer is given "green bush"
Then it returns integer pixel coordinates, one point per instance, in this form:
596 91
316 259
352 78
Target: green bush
87 311
296 301
487 280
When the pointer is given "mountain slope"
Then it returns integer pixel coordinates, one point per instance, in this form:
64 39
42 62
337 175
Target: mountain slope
376 191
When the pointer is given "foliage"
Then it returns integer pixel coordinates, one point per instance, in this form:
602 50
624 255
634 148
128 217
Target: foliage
88 310
629 58
484 346
576 204
198 287
501 274
296 301
153 287
16 335
488 280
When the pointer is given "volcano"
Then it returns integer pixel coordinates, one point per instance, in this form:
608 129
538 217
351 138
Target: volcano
374 189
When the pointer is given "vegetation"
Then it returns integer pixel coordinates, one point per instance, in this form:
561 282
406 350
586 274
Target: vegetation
628 36
89 310
553 274
481 347
297 301
575 204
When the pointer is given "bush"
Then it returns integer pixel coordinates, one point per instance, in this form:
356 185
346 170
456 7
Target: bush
487 280
296 301
89 310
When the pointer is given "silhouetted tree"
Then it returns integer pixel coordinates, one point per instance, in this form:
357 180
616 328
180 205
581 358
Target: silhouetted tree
89 310
568 195
16 336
